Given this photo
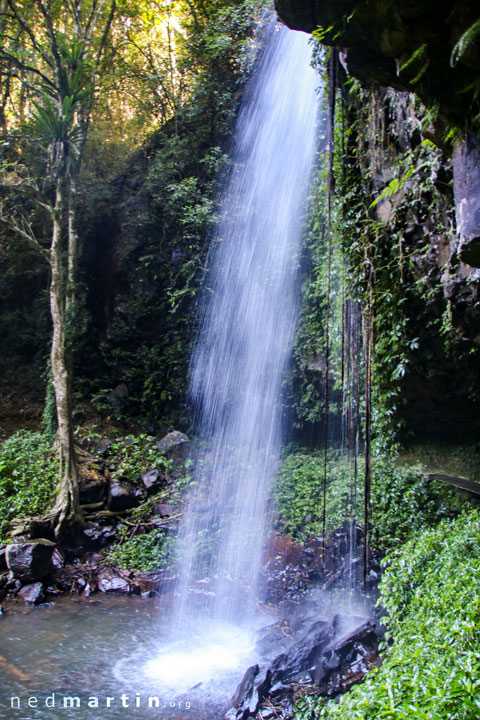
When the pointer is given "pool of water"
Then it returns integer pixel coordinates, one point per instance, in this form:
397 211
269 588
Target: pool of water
112 659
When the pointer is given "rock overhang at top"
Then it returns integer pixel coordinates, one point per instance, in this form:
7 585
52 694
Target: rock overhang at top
405 44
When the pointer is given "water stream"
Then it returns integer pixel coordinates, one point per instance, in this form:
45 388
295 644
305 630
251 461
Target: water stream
246 335
242 353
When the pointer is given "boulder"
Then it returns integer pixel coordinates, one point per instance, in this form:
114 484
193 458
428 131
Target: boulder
174 445
124 495
153 480
32 594
3 559
30 561
109 582
245 700
97 536
119 397
163 510
323 659
92 484
57 560
149 581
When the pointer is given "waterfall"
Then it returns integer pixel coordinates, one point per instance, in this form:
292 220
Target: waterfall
246 333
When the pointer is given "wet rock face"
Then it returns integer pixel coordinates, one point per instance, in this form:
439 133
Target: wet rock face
466 173
30 561
324 661
404 45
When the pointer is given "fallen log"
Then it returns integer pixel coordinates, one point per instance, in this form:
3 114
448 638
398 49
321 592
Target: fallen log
457 481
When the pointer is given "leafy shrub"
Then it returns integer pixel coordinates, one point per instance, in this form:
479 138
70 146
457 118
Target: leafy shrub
298 493
406 501
431 591
134 454
142 552
28 475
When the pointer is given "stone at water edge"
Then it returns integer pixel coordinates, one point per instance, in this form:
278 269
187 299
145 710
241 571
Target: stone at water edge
31 594
30 561
109 582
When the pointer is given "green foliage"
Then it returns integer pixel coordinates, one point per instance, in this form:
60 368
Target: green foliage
149 338
405 501
151 551
135 454
432 672
298 493
461 46
28 475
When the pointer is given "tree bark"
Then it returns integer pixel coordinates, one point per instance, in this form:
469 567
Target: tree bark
66 512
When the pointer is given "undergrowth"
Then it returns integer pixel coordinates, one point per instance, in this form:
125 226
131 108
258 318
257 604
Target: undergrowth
431 592
404 499
28 475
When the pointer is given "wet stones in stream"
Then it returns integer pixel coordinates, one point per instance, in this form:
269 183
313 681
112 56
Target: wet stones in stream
30 561
325 662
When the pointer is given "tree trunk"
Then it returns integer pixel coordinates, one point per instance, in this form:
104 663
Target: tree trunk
66 512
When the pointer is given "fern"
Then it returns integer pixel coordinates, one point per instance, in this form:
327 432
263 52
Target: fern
468 37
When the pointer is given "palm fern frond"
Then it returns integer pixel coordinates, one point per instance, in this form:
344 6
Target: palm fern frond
468 37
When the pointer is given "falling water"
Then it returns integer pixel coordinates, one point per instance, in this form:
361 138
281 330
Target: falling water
246 334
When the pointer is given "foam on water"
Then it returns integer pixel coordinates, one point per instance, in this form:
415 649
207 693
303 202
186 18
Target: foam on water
195 659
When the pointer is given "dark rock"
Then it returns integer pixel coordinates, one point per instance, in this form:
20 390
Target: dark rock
103 446
124 495
41 528
153 480
148 582
245 701
303 654
93 559
273 638
32 593
324 661
109 582
163 510
3 584
466 183
92 484
393 48
30 561
57 560
119 397
97 535
3 559
175 445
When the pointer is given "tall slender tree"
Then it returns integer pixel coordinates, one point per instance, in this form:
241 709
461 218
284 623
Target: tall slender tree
60 53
